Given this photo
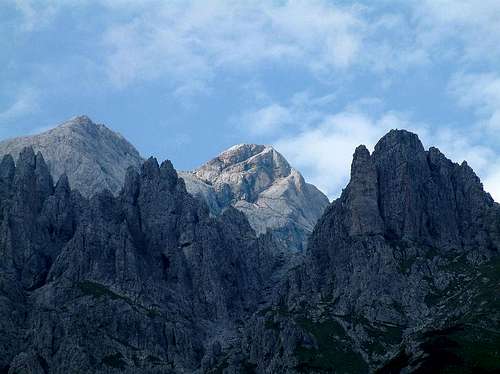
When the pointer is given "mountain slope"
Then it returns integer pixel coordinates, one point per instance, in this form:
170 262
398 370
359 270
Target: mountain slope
255 179
401 275
142 282
258 181
91 155
403 265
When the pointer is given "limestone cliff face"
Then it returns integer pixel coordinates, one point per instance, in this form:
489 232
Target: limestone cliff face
92 156
254 179
404 264
401 274
142 282
258 181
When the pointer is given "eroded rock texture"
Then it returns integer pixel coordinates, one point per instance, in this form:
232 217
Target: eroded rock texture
92 156
254 179
258 181
142 282
402 273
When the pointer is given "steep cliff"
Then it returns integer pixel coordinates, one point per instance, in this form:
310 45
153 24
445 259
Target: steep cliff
145 281
254 179
402 274
406 259
258 181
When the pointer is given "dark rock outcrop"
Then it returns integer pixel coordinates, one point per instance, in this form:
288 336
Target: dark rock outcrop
401 274
254 179
408 254
145 281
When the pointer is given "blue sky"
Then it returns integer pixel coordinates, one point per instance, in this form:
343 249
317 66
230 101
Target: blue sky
185 80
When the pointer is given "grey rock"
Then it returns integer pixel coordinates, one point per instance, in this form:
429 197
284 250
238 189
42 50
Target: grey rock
401 274
92 156
258 181
391 265
143 281
254 179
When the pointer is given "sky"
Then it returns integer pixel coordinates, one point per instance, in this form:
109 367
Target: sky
185 80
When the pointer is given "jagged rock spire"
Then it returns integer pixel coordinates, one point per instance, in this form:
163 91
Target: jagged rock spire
363 195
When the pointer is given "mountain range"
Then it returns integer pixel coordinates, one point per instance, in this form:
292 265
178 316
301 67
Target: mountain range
240 266
255 179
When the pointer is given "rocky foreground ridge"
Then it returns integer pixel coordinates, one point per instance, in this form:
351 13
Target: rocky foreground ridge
401 274
254 179
146 281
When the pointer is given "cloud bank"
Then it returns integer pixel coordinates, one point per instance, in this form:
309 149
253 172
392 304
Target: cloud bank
316 78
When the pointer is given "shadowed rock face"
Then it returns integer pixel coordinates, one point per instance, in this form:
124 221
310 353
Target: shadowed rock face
254 179
92 156
401 274
258 181
392 267
145 281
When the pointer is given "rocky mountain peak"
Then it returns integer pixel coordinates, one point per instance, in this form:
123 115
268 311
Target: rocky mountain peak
244 161
403 140
81 120
362 195
407 194
256 179
411 246
360 160
403 266
91 155
259 181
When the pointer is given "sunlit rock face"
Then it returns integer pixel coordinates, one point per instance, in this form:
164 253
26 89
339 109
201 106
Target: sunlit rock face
401 273
92 156
254 179
258 181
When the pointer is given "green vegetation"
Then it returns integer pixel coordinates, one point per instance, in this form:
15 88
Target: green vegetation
461 349
479 348
395 365
249 368
333 352
98 290
270 313
382 334
219 369
472 342
271 324
115 361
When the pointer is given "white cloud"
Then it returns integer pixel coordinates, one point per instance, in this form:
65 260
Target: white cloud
473 24
25 102
320 143
274 119
194 40
324 151
267 120
36 14
481 93
492 181
189 44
